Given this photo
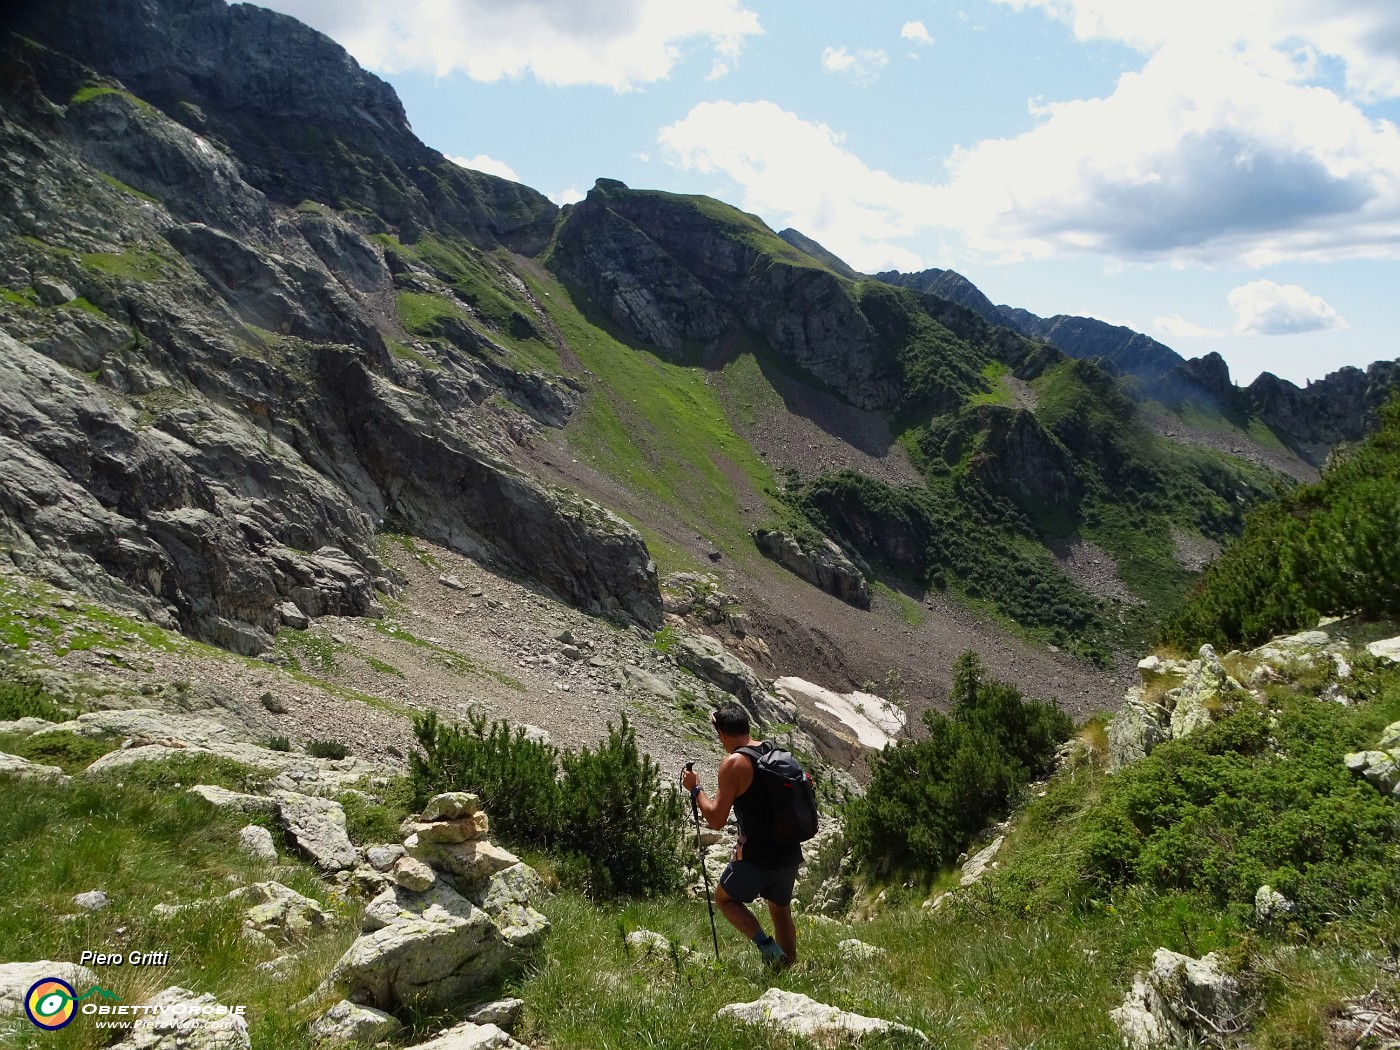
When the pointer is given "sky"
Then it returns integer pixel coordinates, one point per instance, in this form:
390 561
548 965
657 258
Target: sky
1223 175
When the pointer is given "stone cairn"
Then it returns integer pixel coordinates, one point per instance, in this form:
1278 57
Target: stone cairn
456 916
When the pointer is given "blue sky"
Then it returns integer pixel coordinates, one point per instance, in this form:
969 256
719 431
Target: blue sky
1221 176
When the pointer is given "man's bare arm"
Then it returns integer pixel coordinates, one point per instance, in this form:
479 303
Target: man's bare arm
735 774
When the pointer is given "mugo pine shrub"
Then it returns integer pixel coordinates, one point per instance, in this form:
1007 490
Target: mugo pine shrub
928 798
513 774
1324 549
602 813
1252 799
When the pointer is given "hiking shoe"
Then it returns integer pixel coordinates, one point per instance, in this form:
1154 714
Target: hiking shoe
773 955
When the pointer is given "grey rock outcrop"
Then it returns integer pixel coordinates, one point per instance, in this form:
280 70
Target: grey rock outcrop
14 765
412 874
707 659
279 912
92 900
383 857
981 862
1385 649
16 978
148 724
825 566
285 771
804 1017
1380 766
256 841
168 1027
1206 693
1138 727
471 1036
1270 905
24 726
273 911
1181 1001
223 798
348 1022
503 1013
316 826
432 949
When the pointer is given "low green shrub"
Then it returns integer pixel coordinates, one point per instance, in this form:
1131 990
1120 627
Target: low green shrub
600 812
279 743
69 751
1253 799
928 798
1262 796
513 775
28 700
611 812
332 749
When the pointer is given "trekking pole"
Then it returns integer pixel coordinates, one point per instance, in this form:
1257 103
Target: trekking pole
704 872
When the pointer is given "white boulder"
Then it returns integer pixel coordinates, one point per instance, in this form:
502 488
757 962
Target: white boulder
799 1015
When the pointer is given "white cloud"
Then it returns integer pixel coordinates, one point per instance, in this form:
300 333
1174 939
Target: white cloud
570 196
1196 157
797 173
1228 146
1175 326
490 165
862 66
616 43
1274 33
1266 308
916 32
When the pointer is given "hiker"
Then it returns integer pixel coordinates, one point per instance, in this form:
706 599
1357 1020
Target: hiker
760 867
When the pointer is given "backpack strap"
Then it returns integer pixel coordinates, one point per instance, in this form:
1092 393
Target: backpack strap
753 754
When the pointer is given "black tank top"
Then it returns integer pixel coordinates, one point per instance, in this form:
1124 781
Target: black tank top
754 812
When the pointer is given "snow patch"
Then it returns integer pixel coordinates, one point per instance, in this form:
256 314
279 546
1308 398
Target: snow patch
875 720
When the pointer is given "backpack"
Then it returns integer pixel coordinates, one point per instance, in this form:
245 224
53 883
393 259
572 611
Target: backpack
792 797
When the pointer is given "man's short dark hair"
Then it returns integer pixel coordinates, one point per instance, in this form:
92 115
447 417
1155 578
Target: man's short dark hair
731 720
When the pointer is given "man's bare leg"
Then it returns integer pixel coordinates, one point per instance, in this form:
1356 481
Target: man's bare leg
738 914
784 931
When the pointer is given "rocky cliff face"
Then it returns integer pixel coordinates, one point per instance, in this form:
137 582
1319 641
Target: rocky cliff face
1340 407
297 114
947 284
830 260
1129 351
210 402
677 271
685 273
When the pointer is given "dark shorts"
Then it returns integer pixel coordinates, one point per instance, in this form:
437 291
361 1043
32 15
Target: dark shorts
744 881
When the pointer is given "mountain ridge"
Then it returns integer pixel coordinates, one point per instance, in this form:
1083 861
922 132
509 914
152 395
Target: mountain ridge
1325 412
